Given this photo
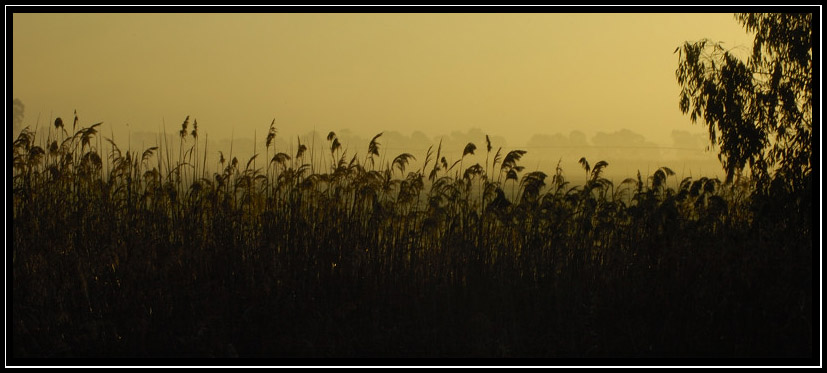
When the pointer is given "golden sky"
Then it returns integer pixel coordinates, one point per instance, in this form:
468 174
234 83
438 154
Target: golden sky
510 75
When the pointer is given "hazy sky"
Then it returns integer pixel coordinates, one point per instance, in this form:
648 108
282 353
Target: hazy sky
510 75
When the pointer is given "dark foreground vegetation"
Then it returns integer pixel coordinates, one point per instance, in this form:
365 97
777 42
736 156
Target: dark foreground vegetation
155 254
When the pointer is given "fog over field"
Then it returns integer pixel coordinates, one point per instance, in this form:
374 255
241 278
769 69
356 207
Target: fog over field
627 152
474 185
561 86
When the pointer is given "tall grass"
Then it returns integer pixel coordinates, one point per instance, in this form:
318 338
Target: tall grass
154 252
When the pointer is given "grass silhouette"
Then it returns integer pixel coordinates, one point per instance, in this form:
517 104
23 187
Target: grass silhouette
152 253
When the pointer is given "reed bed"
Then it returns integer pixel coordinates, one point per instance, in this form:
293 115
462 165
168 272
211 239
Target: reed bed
155 252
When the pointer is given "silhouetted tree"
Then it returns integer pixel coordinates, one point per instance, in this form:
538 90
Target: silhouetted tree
758 112
17 115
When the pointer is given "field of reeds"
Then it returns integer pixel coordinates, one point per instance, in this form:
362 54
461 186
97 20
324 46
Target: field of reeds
155 253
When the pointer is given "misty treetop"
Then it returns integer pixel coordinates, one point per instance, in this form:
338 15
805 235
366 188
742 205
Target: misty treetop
758 111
